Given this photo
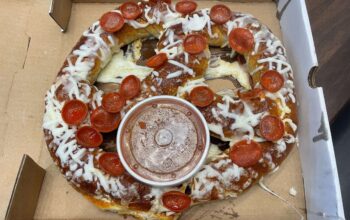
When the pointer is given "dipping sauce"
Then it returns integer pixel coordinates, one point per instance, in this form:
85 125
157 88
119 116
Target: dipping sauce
163 139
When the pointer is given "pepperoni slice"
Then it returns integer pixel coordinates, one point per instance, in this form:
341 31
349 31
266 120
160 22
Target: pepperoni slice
245 153
89 137
251 94
157 60
186 7
104 121
272 81
194 43
111 22
74 112
220 14
130 10
201 96
130 87
110 163
113 102
176 201
271 128
241 40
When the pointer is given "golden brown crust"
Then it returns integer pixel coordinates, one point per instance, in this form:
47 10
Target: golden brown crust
221 37
116 207
129 34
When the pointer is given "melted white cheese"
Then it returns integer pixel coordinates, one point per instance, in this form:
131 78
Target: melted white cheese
198 22
277 59
204 181
216 129
214 153
174 74
290 123
80 161
234 70
134 51
136 24
282 65
281 102
189 85
242 21
243 122
194 23
94 47
120 67
168 17
281 146
157 205
171 50
182 66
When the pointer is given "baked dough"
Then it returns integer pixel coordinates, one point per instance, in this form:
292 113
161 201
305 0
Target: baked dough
230 118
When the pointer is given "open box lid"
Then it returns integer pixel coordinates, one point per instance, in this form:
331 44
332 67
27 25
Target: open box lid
322 190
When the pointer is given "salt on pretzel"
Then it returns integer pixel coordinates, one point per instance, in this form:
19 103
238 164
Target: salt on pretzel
258 120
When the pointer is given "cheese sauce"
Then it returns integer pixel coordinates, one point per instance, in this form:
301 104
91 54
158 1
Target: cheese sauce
163 140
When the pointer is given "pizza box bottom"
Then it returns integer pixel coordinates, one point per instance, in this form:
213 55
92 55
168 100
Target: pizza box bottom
39 191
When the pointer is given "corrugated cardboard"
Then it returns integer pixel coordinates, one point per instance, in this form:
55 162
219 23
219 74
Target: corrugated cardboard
322 190
33 50
26 190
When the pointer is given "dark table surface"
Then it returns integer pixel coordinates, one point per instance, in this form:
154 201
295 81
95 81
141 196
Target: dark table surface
330 23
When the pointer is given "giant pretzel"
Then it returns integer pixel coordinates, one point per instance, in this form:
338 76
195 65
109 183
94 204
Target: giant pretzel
253 127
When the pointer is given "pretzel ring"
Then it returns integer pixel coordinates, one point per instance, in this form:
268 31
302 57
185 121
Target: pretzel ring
253 126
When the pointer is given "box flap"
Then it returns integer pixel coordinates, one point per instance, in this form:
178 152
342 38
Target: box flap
26 190
322 191
60 12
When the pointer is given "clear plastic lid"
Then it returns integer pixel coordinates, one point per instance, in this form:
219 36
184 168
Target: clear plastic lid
163 140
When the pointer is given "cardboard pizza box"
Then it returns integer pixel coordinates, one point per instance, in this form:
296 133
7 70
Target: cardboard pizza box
33 50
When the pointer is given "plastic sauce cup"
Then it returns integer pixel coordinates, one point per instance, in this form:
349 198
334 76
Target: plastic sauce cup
163 141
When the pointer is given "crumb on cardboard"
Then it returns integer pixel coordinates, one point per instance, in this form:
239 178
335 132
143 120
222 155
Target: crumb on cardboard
292 191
